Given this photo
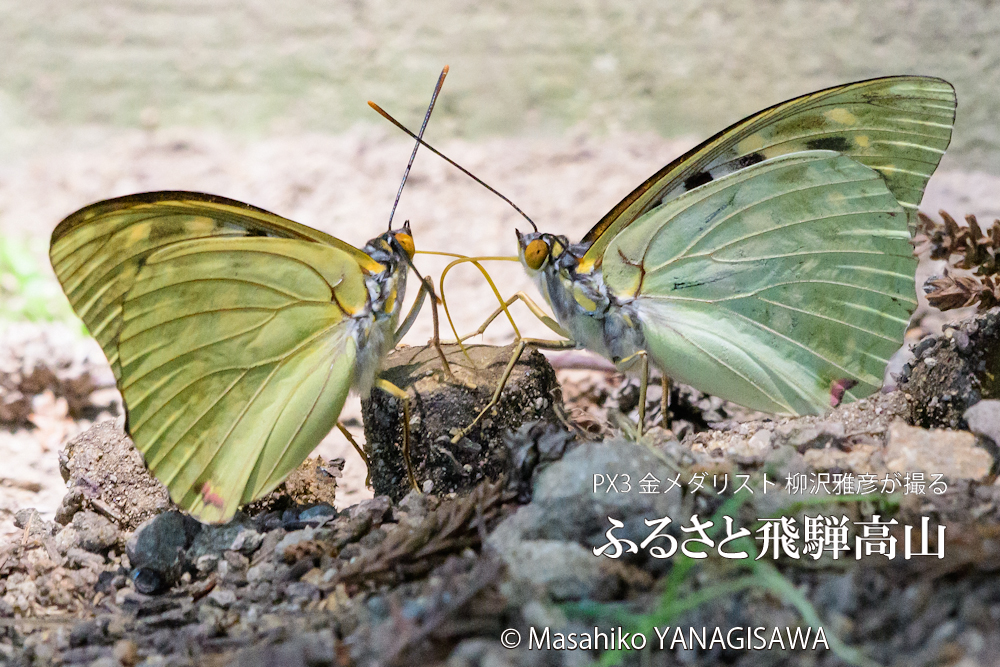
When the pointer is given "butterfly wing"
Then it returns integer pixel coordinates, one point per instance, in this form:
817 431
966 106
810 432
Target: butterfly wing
228 330
777 286
898 126
98 251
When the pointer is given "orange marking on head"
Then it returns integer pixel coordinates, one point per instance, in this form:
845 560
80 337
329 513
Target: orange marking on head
210 497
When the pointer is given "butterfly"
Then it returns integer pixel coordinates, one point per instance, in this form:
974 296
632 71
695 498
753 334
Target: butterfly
770 265
234 334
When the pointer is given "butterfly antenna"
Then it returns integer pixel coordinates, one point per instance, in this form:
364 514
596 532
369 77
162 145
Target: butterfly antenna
427 117
447 159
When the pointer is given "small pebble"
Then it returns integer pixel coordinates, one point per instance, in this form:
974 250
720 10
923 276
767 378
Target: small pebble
126 652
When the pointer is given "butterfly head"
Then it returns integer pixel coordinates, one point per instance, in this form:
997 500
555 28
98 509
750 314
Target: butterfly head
538 250
393 248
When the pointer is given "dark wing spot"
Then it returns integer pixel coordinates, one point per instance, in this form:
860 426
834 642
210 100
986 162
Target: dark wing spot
697 180
747 160
839 144
685 285
254 231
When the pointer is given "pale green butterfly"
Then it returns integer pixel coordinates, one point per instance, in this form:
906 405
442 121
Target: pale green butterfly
770 265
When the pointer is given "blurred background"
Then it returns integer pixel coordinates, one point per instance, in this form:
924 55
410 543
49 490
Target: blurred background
564 106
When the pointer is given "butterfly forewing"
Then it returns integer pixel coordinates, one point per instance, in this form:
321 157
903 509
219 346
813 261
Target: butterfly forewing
774 283
898 126
97 251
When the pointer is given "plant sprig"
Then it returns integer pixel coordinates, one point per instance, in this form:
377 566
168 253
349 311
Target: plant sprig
971 252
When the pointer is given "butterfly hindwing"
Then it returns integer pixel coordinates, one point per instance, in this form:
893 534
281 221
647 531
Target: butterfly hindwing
773 284
898 126
236 359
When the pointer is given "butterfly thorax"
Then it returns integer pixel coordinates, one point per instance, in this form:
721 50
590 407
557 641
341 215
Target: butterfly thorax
375 325
597 320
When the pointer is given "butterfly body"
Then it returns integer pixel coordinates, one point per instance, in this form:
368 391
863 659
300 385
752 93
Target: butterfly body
770 265
374 330
595 319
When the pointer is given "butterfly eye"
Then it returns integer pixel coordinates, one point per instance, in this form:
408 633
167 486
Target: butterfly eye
405 241
536 253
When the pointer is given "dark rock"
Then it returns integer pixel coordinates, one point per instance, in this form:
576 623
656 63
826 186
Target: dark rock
236 535
149 582
95 533
86 632
533 446
439 409
157 551
952 372
317 515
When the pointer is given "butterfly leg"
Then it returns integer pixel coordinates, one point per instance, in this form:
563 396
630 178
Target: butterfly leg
518 350
535 309
395 391
426 287
643 383
361 452
436 341
665 401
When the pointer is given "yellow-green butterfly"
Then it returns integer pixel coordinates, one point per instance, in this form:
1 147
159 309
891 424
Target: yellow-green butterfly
770 265
233 333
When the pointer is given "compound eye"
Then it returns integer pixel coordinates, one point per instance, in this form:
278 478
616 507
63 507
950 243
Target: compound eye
536 253
405 241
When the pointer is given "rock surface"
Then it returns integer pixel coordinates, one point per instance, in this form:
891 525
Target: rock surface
953 454
105 470
953 372
439 409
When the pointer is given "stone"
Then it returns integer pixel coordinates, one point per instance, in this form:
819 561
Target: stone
71 503
293 538
236 535
31 519
950 373
157 550
983 419
102 463
566 570
805 436
533 446
126 652
67 538
439 409
95 533
550 541
222 597
953 454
